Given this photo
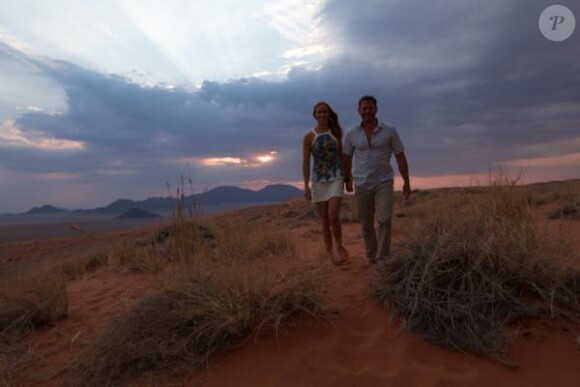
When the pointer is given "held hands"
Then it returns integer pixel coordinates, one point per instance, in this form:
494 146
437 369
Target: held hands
349 186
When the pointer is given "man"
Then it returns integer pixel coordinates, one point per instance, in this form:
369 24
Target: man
371 144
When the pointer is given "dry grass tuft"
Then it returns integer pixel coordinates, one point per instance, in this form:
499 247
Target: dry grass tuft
6 378
81 265
473 265
568 204
29 302
227 288
12 356
236 241
26 303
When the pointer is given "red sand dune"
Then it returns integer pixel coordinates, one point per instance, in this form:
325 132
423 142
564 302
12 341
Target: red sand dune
364 345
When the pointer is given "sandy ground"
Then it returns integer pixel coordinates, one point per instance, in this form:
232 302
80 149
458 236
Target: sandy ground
22 228
364 345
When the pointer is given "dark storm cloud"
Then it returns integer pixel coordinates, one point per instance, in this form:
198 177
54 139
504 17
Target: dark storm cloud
470 82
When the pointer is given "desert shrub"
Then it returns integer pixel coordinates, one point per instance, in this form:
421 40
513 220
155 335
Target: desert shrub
568 204
136 256
155 251
472 266
6 378
12 357
79 266
191 319
28 302
234 284
539 196
236 240
6 375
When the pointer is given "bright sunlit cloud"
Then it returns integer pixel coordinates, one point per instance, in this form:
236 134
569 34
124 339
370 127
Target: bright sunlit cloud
12 136
233 161
219 161
33 109
20 45
297 21
304 51
266 158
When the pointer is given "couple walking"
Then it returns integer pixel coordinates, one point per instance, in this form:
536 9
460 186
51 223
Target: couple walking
368 146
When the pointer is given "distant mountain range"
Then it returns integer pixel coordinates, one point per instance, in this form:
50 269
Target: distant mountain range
46 209
221 195
137 213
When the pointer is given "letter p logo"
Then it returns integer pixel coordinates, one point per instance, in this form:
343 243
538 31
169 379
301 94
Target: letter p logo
557 23
557 20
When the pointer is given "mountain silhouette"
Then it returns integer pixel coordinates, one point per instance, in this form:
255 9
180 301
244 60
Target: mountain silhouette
275 193
46 209
137 213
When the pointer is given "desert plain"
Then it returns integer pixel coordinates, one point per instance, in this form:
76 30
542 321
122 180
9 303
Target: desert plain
248 297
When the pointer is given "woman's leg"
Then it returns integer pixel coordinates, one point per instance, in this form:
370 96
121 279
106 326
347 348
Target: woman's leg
322 208
336 226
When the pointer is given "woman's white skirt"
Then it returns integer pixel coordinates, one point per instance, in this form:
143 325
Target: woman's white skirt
322 192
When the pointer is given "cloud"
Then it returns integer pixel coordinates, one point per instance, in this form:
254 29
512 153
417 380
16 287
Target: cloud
468 85
571 159
12 136
474 82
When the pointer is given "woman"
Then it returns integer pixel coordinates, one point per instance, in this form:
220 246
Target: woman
324 145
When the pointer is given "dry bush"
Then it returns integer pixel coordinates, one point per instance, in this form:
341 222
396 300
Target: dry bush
136 256
233 285
79 266
154 252
72 261
6 374
28 302
235 240
540 195
568 203
474 265
12 357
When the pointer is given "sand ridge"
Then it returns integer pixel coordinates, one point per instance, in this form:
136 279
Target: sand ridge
363 345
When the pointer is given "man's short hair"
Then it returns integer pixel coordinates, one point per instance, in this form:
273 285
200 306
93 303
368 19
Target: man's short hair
368 98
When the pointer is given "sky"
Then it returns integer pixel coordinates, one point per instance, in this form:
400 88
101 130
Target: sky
124 99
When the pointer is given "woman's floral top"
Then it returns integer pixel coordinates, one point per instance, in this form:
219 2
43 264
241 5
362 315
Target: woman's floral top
327 166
